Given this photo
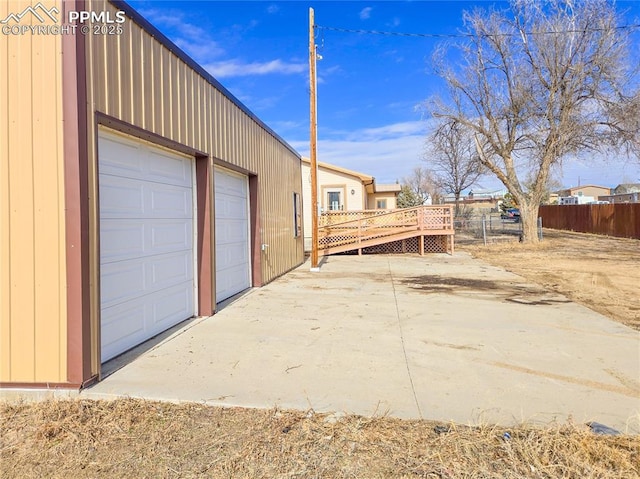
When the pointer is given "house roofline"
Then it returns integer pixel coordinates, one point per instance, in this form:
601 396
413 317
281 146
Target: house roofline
339 169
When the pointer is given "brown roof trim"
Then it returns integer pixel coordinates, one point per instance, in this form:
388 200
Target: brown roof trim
133 130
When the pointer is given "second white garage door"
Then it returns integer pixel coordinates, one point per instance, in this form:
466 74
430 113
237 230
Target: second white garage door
146 241
231 233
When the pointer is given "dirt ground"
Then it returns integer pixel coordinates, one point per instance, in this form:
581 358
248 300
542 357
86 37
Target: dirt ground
600 272
142 439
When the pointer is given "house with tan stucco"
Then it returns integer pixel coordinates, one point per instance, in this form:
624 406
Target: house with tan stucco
341 189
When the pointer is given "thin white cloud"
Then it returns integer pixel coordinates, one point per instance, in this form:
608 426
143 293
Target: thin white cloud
273 8
191 38
403 129
201 51
395 22
387 153
175 20
365 13
237 68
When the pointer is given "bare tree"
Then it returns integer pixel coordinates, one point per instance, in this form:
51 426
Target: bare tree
453 158
418 187
547 79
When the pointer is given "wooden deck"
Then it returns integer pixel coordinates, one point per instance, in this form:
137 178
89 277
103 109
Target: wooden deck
341 231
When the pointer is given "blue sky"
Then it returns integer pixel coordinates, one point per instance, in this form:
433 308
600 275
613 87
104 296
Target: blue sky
371 88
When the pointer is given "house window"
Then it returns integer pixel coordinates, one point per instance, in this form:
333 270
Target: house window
381 204
297 216
333 200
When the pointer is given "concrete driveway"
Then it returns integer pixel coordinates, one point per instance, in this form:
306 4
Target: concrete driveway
437 337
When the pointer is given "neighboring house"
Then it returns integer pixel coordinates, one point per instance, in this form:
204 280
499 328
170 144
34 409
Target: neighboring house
340 189
621 198
575 200
480 201
137 192
585 190
626 188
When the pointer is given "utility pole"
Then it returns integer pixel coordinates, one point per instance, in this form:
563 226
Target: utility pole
313 143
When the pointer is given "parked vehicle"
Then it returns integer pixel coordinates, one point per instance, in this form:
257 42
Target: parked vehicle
512 214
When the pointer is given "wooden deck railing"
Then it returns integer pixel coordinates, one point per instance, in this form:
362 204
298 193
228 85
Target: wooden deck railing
350 230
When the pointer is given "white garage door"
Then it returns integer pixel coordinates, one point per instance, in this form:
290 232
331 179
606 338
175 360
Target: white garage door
232 234
146 241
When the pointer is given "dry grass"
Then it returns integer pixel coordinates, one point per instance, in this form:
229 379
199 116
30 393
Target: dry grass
598 271
134 438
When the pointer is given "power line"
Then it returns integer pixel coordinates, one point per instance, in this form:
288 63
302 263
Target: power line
463 35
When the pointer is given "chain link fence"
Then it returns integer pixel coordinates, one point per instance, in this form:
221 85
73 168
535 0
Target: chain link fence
489 228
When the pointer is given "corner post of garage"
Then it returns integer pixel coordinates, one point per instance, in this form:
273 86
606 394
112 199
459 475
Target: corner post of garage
206 267
313 143
82 365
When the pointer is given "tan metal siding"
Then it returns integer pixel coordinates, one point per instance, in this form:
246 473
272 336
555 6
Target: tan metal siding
155 90
32 270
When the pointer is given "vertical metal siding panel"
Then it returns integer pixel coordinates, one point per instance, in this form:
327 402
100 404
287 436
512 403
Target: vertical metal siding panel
148 82
227 124
46 194
164 105
159 66
177 95
5 250
137 60
101 94
22 234
205 117
112 83
196 124
125 85
193 107
218 128
172 97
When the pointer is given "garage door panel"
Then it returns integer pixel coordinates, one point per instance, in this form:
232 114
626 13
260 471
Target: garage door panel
231 255
121 321
124 280
146 241
168 201
169 170
120 159
171 304
121 197
128 159
231 207
231 281
234 231
133 198
168 270
168 235
128 324
121 281
231 234
231 185
123 239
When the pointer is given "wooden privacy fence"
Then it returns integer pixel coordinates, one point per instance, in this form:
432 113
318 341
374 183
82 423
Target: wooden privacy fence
618 219
414 229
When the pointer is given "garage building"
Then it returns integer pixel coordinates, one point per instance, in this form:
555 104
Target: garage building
135 192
